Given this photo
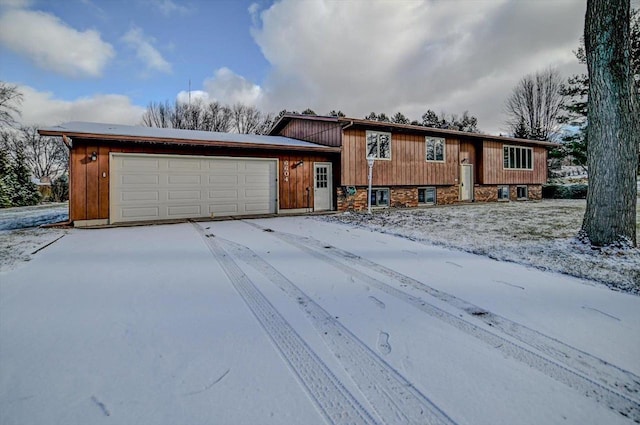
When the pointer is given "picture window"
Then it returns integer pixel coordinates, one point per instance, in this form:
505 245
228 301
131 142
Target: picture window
517 158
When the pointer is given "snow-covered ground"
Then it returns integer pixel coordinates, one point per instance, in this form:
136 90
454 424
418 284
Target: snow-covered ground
540 234
295 320
20 236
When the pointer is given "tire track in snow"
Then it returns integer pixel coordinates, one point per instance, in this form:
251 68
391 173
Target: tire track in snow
333 400
392 396
619 396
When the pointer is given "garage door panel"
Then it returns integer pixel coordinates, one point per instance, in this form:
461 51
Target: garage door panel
140 163
151 187
229 194
181 164
184 211
140 213
185 179
223 209
223 179
184 195
132 179
140 196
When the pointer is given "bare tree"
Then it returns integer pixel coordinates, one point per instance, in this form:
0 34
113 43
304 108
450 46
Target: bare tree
614 133
536 100
218 118
249 120
10 100
46 157
158 114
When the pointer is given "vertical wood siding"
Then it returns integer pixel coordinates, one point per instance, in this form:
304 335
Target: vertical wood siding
407 166
494 172
322 133
89 190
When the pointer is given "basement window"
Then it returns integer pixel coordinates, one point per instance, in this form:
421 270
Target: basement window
427 195
522 193
380 197
503 193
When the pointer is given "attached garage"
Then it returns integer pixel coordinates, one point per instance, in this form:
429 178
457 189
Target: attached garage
164 187
125 174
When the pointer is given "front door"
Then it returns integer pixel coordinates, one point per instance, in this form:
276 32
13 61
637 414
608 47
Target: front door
322 186
466 182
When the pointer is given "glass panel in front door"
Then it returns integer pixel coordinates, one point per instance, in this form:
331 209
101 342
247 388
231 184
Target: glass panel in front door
321 177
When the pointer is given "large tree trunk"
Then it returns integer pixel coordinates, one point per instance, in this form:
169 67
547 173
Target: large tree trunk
612 138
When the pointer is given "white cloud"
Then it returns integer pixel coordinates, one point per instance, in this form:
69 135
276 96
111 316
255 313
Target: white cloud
54 45
169 7
193 96
17 4
228 87
43 108
409 56
145 52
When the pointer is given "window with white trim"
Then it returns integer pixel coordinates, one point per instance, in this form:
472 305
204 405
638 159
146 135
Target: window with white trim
503 193
517 158
427 195
379 197
435 147
378 145
522 193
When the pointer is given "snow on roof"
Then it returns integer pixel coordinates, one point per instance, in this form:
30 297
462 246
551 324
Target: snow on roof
128 132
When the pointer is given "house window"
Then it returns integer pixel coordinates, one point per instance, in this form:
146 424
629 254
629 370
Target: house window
427 195
503 193
380 197
522 193
378 145
435 148
517 158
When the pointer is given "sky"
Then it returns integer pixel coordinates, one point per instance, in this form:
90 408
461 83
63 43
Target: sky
105 60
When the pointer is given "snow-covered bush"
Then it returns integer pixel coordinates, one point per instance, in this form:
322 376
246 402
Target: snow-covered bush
564 191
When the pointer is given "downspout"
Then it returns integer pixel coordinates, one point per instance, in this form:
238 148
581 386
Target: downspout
343 129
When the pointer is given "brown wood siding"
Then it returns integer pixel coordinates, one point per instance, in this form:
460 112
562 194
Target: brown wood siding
494 172
89 190
322 133
406 167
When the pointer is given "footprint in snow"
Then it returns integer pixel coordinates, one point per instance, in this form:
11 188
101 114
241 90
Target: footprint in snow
383 343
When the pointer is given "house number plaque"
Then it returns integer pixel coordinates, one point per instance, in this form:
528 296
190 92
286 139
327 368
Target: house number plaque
285 171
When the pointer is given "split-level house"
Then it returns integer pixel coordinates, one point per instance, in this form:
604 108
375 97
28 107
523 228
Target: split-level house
415 165
124 173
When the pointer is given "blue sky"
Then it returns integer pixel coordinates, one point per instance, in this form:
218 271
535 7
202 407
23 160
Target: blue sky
105 60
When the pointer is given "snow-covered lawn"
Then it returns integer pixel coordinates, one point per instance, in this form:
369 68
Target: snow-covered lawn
540 234
19 236
293 320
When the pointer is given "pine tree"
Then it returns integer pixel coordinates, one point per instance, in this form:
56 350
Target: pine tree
7 182
25 192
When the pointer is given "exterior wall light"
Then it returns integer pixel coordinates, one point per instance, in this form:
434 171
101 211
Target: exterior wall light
94 156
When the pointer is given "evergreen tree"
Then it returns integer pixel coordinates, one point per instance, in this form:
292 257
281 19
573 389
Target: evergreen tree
399 118
521 131
7 182
25 192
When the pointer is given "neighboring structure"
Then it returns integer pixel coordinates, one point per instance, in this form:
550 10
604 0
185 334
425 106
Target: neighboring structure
122 173
308 163
415 165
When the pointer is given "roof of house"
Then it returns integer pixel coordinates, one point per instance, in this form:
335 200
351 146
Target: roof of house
406 128
117 132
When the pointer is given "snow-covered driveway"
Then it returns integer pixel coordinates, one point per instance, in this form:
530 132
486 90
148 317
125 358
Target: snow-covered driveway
295 321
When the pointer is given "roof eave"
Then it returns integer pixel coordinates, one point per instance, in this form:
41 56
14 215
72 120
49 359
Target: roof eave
189 142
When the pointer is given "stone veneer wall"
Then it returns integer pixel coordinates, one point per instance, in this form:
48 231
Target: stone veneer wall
407 197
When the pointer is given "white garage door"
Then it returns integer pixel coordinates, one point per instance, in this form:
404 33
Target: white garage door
159 187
